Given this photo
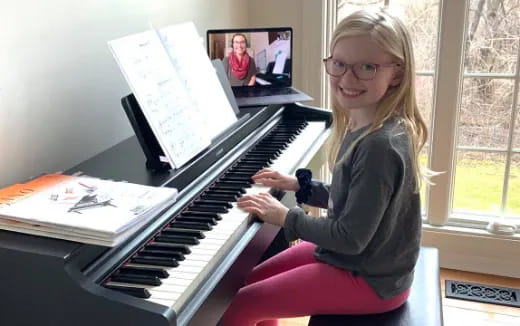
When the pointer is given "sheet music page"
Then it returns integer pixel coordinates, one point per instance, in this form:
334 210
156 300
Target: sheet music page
173 116
189 57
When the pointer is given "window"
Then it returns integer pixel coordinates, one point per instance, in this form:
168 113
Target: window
467 79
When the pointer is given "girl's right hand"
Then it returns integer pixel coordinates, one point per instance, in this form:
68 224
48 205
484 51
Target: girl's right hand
272 178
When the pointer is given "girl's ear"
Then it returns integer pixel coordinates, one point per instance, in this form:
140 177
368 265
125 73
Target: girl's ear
398 76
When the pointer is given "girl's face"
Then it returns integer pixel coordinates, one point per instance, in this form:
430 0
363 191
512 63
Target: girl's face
355 94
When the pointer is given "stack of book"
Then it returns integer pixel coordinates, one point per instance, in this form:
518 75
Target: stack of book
81 208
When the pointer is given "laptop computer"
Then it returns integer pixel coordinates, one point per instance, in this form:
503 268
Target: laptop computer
258 64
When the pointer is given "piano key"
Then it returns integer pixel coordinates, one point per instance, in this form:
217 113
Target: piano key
133 291
228 198
154 261
147 271
209 208
216 216
191 225
177 255
227 187
203 219
136 278
177 239
170 247
194 233
212 203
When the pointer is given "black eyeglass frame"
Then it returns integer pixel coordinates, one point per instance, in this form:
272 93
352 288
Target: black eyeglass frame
351 65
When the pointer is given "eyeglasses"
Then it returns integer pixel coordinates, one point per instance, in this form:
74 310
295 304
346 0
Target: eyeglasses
362 71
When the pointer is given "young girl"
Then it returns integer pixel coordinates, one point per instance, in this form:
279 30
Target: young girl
360 259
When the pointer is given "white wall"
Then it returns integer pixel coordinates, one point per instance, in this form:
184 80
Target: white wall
306 19
60 88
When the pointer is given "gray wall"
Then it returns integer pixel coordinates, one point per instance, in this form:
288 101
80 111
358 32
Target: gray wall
59 84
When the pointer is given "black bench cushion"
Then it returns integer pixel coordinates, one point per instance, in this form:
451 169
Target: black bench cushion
423 307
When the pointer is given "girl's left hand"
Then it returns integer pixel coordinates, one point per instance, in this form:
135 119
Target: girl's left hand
265 206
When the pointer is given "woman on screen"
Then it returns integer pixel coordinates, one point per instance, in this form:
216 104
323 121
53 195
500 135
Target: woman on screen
240 67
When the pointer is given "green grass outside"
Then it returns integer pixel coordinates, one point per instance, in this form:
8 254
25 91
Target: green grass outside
478 186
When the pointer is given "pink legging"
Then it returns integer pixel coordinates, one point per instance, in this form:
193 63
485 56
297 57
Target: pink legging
293 284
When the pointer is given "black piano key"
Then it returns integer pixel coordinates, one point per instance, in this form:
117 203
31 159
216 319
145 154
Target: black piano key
252 171
279 138
228 198
177 239
251 161
177 255
260 158
136 279
158 261
228 187
193 233
270 153
216 216
135 292
232 183
185 250
246 180
191 225
239 175
203 219
212 203
267 147
150 271
208 208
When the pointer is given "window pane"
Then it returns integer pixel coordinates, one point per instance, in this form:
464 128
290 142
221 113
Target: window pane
516 142
478 182
492 36
513 191
424 93
485 115
423 161
421 18
346 7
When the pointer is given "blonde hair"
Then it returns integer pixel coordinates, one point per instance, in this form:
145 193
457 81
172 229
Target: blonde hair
391 35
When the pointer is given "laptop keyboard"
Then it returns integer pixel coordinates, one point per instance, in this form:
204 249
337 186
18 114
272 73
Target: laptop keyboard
255 92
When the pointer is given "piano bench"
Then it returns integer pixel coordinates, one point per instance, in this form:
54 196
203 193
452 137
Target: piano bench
423 307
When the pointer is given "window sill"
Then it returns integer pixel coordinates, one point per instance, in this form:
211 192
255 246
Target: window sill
466 231
474 250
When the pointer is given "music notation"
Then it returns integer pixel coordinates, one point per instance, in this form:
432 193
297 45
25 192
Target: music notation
173 115
177 88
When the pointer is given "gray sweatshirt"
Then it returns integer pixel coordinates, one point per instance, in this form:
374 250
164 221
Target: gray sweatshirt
373 224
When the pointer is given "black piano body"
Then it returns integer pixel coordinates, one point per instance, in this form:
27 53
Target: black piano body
46 281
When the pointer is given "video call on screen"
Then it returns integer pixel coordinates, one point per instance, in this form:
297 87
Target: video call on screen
268 52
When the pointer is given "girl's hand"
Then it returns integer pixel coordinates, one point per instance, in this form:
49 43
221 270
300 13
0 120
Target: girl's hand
272 178
265 206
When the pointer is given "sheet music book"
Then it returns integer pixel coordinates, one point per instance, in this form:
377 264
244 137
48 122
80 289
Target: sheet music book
188 55
81 208
176 87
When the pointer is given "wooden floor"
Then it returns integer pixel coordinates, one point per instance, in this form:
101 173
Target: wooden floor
462 312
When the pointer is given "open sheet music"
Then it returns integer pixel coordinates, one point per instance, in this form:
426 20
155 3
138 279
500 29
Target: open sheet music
176 88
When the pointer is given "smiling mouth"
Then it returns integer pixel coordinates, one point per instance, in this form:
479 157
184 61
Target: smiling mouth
350 93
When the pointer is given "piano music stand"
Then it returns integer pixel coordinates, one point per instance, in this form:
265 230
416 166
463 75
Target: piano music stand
151 148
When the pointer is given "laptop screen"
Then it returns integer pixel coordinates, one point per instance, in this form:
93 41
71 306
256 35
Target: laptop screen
253 57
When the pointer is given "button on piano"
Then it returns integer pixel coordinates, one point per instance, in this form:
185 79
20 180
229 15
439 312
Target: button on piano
184 266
